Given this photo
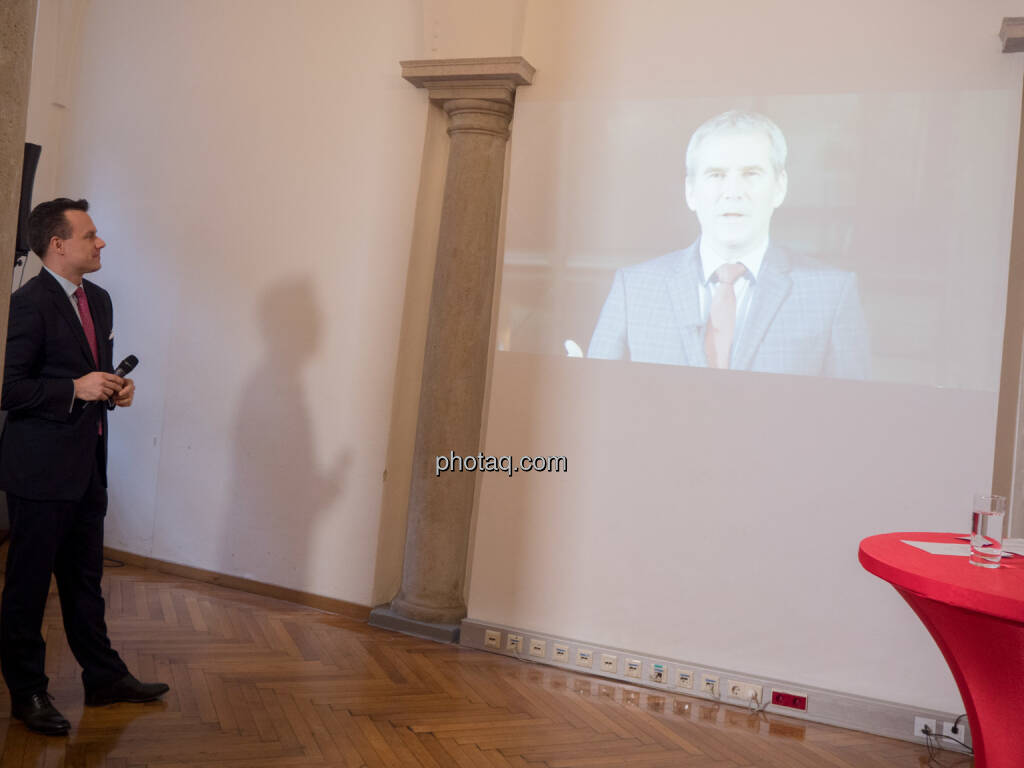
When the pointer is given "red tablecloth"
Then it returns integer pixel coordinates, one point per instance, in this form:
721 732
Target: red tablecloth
976 616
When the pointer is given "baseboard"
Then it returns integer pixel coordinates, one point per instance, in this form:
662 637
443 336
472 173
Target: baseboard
330 604
857 713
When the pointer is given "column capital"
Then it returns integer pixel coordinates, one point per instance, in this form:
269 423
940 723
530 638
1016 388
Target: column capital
478 116
1012 34
490 79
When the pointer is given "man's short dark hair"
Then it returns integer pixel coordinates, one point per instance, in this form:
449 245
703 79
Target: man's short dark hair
47 220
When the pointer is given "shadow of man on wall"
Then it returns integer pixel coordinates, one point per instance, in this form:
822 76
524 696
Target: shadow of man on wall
279 492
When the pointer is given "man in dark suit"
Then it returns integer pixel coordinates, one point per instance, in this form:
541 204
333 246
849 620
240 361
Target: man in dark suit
53 460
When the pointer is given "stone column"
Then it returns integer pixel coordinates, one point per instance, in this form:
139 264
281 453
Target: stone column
17 25
478 97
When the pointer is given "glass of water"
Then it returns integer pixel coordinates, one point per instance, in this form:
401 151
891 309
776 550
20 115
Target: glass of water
987 530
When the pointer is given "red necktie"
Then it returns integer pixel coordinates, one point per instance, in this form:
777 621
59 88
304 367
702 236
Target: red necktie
722 318
87 326
90 330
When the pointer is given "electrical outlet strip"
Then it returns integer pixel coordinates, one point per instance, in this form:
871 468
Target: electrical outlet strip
685 678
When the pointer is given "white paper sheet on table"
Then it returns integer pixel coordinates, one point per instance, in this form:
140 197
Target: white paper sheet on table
941 547
1016 546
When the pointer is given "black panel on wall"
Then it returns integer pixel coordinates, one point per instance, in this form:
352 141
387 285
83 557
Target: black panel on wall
28 177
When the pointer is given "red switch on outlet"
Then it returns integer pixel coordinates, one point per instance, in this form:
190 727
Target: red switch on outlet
791 700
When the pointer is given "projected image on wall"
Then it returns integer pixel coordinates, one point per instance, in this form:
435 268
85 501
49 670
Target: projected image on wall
734 298
858 236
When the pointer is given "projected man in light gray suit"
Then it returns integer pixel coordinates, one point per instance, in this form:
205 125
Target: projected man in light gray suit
733 299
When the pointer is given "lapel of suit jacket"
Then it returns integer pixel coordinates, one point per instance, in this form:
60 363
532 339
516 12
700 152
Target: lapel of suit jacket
773 286
64 308
683 289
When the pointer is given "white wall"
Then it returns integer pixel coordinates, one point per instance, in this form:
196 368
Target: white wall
710 516
253 167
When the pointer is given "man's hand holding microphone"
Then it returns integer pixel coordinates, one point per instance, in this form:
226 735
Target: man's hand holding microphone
112 387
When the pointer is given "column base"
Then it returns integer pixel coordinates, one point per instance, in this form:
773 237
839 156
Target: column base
384 617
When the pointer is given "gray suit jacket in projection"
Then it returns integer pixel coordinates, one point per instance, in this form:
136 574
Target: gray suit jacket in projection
804 317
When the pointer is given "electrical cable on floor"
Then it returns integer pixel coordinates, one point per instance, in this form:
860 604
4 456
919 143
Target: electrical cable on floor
109 562
951 738
955 729
756 706
933 758
933 745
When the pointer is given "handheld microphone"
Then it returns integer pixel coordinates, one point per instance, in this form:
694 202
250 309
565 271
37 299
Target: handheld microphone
125 367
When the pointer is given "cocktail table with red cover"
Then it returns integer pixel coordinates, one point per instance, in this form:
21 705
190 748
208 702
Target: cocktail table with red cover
976 616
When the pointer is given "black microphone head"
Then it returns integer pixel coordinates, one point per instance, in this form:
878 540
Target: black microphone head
127 365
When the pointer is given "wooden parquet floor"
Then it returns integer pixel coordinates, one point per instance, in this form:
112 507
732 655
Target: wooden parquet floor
263 683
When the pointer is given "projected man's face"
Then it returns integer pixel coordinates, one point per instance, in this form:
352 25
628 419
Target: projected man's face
734 189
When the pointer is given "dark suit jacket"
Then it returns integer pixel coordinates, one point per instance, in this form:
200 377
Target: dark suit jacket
48 448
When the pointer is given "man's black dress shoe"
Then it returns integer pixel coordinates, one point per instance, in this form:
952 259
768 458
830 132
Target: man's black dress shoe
126 689
39 715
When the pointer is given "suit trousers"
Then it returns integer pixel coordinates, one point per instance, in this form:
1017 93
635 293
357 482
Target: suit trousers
64 538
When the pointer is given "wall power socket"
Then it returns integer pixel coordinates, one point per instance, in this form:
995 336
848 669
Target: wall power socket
919 726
